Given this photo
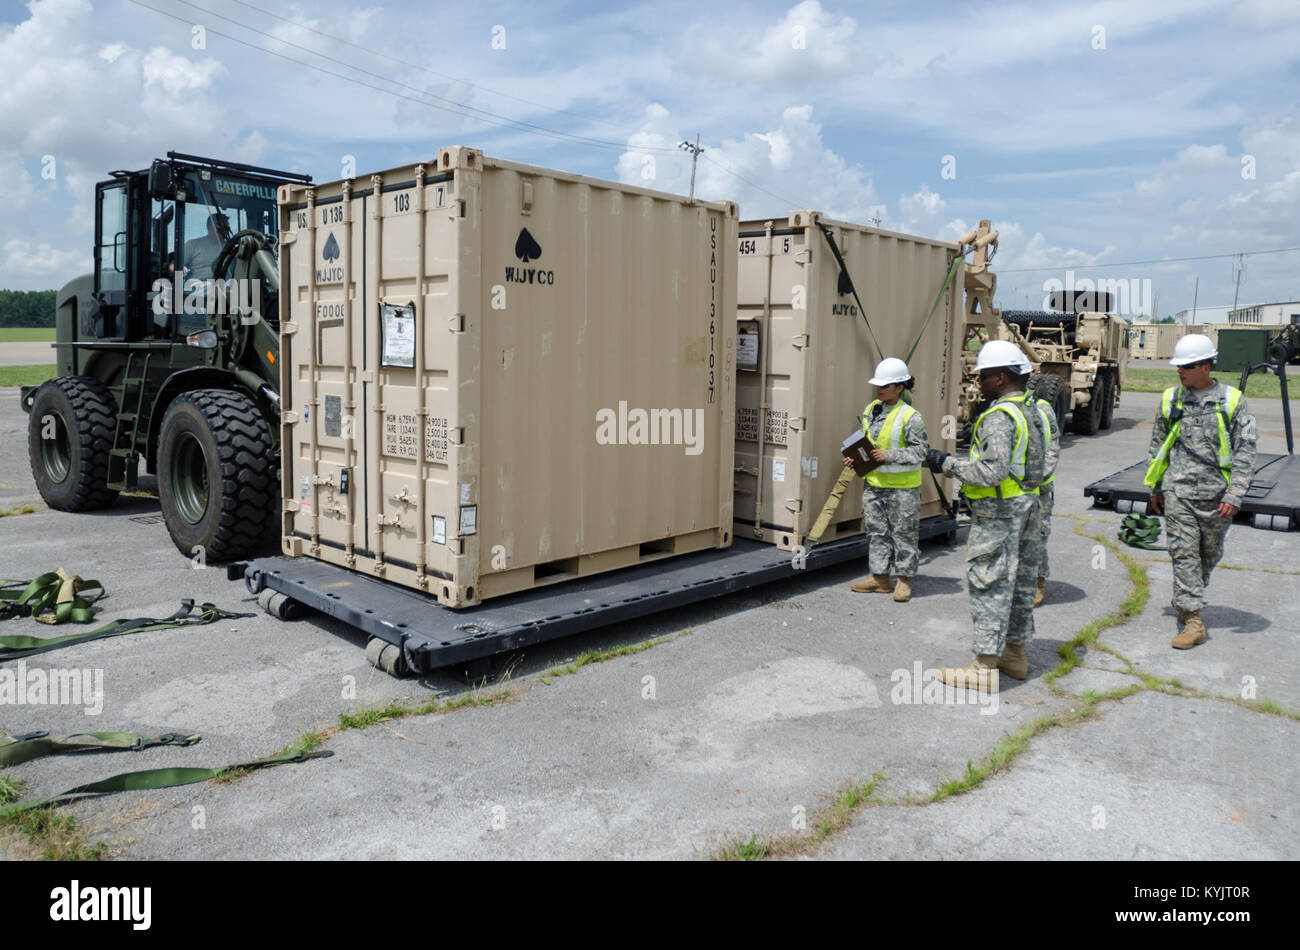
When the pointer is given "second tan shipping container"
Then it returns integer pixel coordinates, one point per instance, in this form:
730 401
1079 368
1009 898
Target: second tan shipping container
804 356
497 376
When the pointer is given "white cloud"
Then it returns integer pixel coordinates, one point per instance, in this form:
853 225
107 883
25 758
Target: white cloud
770 172
41 262
807 43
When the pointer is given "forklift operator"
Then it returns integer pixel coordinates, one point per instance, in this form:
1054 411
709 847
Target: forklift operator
201 253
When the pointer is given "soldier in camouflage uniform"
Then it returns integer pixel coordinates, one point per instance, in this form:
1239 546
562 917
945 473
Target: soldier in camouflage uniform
1202 456
891 501
1008 448
1047 490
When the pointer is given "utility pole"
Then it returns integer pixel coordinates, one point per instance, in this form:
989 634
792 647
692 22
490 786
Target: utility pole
1239 266
695 157
1196 290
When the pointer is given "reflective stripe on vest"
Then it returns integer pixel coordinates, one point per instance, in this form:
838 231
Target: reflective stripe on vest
891 475
1049 423
1160 464
1008 487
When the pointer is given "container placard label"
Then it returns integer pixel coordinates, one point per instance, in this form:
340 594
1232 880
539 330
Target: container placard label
468 520
399 334
439 529
777 425
778 470
747 349
401 431
435 442
746 424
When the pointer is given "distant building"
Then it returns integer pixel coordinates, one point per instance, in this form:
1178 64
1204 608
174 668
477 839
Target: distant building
1204 315
1266 314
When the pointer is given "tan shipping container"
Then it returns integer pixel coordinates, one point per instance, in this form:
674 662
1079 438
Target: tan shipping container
1154 341
562 340
804 357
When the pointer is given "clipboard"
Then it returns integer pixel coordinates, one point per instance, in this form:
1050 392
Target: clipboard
857 446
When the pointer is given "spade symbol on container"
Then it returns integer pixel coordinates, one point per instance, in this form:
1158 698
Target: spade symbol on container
526 247
845 285
331 251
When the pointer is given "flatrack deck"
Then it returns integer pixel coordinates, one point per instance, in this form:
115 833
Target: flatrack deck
1272 501
430 636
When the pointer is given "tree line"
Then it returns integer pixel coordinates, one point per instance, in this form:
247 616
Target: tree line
27 308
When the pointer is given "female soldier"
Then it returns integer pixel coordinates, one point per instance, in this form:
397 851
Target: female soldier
891 501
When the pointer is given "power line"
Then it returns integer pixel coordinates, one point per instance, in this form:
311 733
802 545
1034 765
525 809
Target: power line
1166 260
482 114
432 72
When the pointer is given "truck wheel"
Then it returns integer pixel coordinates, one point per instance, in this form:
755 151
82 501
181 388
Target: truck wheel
217 477
1107 404
1049 387
69 437
1085 419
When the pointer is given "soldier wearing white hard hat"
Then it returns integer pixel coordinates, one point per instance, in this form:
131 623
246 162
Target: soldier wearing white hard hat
891 498
1000 481
1201 458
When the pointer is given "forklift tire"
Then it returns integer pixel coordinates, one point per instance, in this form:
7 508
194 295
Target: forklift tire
71 466
217 477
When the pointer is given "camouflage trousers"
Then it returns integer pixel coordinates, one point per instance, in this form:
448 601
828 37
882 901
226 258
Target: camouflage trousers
1195 534
1002 555
1046 501
892 520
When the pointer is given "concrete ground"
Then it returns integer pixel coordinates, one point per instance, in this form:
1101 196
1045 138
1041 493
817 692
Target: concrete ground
27 354
744 724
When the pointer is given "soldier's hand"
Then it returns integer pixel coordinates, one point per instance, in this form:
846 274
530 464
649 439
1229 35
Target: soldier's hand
877 455
934 460
847 461
1158 504
1227 511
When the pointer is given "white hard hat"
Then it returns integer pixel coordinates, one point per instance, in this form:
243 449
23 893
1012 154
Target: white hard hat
1000 354
890 370
1193 348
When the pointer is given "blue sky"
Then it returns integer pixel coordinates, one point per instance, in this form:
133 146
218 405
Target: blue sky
1090 133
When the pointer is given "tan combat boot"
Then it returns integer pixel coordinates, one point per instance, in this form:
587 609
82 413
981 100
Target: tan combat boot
1041 592
1193 630
903 590
1013 661
982 674
875 584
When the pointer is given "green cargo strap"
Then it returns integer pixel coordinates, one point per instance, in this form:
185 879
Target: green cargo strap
952 272
15 647
847 476
844 269
55 597
1139 531
15 750
156 778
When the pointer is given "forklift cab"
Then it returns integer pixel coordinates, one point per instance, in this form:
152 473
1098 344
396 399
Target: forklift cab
158 233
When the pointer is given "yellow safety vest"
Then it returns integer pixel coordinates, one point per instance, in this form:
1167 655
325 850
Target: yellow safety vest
1227 409
891 475
1008 487
1049 422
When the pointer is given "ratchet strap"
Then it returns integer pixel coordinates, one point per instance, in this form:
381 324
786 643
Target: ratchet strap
157 778
15 750
1141 531
15 647
56 597
952 272
844 271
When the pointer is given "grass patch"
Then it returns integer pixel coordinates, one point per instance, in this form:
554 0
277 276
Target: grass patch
600 656
26 334
17 510
51 836
25 375
389 712
826 821
1259 386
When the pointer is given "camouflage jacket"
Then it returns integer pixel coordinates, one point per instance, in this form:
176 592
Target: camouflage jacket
997 440
915 440
1193 471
